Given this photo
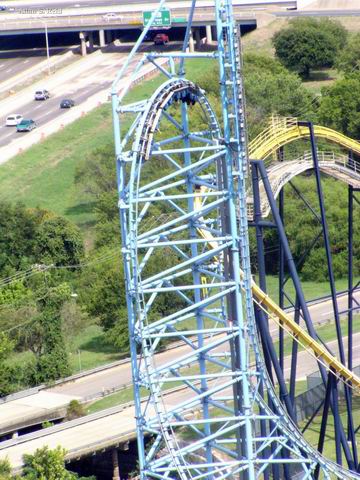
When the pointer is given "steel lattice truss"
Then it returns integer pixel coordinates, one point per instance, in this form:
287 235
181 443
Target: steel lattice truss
181 181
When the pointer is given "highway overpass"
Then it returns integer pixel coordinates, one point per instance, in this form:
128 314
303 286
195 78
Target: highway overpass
116 426
60 17
32 407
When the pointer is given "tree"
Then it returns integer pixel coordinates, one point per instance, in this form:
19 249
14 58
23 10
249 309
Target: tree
309 43
32 236
48 341
349 58
58 241
46 464
271 89
340 106
6 372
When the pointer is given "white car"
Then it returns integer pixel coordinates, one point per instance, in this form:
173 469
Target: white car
112 16
13 120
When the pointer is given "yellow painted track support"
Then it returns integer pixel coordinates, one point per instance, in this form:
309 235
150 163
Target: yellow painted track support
288 324
285 130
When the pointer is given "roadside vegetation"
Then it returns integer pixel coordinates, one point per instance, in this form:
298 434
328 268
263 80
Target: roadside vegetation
62 301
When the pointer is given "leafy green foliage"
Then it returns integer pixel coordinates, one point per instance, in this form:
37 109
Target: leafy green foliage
348 59
309 43
33 236
6 371
47 464
301 227
270 89
75 410
340 106
52 360
58 241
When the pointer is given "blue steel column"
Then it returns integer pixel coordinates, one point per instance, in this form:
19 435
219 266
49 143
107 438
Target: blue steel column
235 171
121 184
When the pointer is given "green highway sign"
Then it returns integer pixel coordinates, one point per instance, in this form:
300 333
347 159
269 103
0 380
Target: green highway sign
162 19
179 20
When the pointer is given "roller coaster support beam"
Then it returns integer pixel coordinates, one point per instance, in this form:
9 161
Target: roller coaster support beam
333 293
325 415
350 286
326 239
351 197
295 278
280 156
262 320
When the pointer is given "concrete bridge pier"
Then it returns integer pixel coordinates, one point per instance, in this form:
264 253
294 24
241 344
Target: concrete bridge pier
209 39
191 42
102 42
82 36
115 461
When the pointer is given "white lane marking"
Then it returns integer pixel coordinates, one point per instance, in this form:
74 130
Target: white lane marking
8 70
2 65
327 313
39 106
26 61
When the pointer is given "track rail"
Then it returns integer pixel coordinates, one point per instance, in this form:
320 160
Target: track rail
286 130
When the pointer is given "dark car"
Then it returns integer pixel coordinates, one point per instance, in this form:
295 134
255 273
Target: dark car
2 8
67 103
26 126
161 39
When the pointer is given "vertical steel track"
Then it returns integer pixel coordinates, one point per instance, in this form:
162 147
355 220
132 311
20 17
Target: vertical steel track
211 410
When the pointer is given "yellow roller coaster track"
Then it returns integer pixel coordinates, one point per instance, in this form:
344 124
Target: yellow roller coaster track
282 131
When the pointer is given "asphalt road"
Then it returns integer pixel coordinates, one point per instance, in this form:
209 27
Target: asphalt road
109 379
80 84
79 87
109 427
13 62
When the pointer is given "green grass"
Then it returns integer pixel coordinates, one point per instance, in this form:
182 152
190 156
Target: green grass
312 433
94 351
312 290
321 78
118 398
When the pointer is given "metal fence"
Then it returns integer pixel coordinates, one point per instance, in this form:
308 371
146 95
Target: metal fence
308 402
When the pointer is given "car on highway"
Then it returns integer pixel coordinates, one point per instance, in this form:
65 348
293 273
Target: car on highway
161 39
112 16
2 8
67 103
26 125
13 119
42 94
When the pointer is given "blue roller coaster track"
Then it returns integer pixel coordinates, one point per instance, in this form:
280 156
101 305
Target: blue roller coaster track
182 178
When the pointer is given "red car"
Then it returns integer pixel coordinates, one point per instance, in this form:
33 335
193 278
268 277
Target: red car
161 39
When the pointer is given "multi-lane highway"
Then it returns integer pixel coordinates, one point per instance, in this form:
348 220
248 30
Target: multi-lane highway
79 82
13 62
